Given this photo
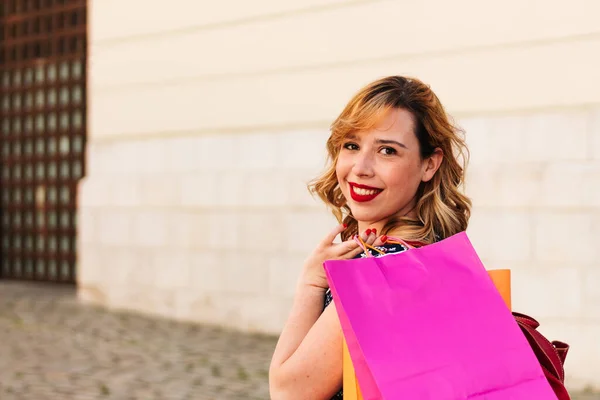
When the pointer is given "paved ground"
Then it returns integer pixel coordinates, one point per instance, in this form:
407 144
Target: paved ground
51 348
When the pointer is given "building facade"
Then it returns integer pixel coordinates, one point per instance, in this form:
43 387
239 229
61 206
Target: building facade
206 121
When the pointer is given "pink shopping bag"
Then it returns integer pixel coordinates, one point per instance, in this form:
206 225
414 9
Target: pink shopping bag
429 323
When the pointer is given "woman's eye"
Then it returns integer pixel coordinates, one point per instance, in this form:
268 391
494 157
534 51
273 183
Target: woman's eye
388 151
351 146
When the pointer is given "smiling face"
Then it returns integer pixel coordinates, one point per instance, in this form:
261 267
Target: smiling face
379 170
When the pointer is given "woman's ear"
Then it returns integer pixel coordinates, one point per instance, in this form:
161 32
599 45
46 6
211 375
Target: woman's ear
432 164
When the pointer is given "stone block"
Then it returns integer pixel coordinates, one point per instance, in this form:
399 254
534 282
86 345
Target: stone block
94 191
594 135
265 188
257 151
149 228
538 137
303 148
482 185
478 230
98 158
507 139
183 154
149 155
261 230
197 306
171 269
557 136
262 313
548 291
121 157
115 227
477 137
205 274
284 272
201 189
125 191
571 184
86 225
119 264
591 186
566 238
90 264
591 292
181 230
519 185
505 185
501 235
245 273
159 190
217 152
230 188
222 232
297 191
303 230
142 272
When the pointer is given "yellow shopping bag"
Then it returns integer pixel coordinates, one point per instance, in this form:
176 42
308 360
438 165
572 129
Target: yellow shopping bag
500 277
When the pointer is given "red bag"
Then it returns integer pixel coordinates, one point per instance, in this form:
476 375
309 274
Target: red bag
551 355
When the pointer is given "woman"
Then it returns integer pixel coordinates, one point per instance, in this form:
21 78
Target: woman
395 171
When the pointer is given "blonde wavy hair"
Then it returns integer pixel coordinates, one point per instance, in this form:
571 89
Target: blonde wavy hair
441 209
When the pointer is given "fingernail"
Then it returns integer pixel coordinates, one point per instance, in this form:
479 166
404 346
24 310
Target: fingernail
345 226
375 231
368 232
384 238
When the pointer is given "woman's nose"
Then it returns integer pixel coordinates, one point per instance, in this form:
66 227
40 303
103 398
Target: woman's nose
363 165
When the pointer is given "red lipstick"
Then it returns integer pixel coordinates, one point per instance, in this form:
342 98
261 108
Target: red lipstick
364 193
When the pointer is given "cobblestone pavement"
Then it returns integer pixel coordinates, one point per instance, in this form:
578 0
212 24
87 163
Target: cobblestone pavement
51 348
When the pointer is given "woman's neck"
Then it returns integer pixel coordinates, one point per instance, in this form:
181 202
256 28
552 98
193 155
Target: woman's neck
409 211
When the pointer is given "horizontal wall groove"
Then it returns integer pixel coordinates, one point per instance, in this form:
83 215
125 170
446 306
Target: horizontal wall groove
229 24
463 51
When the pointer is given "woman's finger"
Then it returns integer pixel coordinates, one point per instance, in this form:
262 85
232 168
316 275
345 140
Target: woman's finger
328 240
379 241
365 237
371 237
352 253
341 249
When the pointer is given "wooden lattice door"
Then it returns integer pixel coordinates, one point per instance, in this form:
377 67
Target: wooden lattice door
43 58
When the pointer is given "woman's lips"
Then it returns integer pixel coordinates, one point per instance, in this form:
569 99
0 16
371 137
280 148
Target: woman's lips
363 193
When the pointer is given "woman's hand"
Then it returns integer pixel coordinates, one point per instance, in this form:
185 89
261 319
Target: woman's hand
313 273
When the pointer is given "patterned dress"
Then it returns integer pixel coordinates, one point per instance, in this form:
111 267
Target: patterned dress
388 249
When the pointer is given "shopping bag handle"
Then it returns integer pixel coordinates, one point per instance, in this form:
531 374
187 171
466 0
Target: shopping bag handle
390 239
365 247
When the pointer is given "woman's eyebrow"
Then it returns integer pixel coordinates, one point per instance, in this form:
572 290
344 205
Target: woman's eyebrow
387 141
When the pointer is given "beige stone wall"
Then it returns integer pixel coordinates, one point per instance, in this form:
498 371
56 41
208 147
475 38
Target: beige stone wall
207 120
